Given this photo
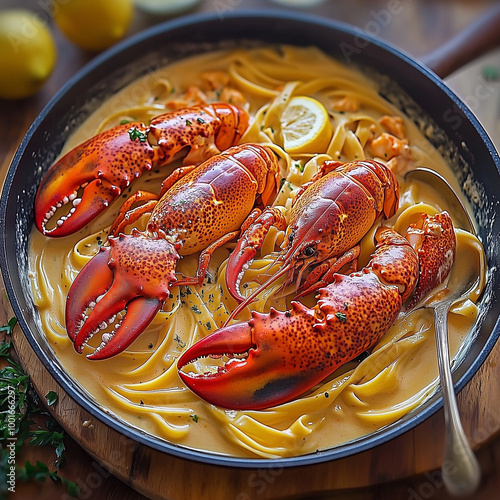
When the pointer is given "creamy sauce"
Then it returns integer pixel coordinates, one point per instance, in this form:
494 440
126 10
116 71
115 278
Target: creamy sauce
141 385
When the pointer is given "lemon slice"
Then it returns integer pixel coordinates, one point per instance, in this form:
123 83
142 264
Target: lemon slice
306 126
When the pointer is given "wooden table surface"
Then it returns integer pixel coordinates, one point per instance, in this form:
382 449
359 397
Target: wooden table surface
417 27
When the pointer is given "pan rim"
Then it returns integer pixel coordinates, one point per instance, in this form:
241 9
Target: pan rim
73 389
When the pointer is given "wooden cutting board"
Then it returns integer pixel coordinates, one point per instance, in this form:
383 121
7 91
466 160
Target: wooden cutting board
158 475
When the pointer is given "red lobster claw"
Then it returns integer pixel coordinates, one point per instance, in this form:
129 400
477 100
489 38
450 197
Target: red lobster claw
88 178
133 274
263 378
434 240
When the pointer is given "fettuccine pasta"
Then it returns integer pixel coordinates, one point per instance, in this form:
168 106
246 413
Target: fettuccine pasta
141 385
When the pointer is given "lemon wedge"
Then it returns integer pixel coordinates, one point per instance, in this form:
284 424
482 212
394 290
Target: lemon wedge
306 126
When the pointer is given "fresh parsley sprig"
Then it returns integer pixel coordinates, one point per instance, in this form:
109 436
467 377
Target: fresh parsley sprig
19 405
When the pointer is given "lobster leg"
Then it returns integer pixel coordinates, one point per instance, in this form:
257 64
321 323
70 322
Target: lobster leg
248 245
204 260
290 352
127 215
134 275
323 274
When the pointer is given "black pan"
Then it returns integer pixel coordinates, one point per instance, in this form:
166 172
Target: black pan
411 86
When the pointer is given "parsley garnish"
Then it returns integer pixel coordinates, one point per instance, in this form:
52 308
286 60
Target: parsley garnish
51 397
341 316
180 343
135 134
24 419
9 327
194 417
200 120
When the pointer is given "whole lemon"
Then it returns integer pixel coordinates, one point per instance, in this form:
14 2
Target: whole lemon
27 53
93 24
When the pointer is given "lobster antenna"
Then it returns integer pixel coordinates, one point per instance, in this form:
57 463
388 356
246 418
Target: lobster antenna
256 292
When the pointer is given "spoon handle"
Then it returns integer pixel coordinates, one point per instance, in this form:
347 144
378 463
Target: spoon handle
460 469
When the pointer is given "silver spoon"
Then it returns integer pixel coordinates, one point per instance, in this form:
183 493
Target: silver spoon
460 469
448 194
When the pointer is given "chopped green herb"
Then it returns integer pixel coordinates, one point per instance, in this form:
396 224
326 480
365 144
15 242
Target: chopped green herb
300 167
195 309
179 341
194 417
188 122
9 327
19 406
135 134
200 120
341 316
51 397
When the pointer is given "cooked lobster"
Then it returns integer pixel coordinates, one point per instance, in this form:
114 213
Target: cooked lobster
276 357
135 272
83 182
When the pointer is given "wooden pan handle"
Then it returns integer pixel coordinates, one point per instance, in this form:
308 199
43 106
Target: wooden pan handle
476 39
